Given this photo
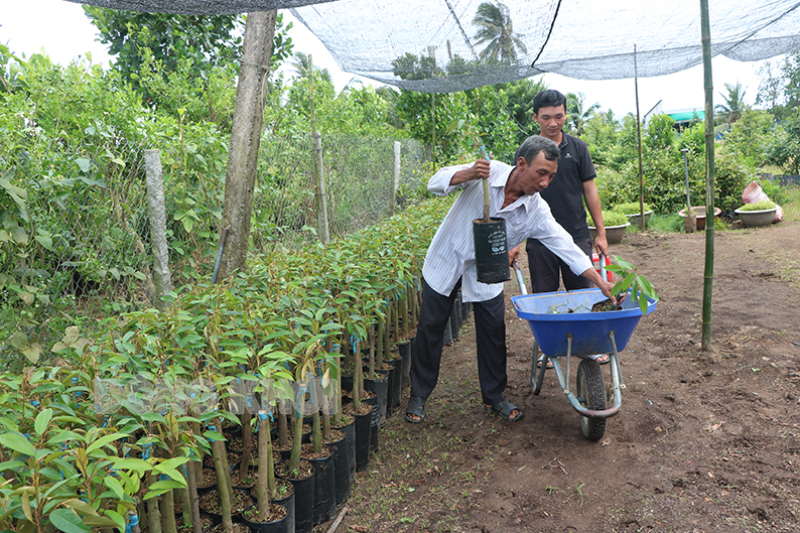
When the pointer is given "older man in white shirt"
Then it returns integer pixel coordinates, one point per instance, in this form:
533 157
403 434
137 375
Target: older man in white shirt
450 264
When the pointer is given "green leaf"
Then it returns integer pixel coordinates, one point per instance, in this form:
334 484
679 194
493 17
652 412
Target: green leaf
113 483
117 518
138 465
45 241
67 521
175 462
621 262
213 435
84 164
80 506
160 487
643 305
648 289
42 421
172 473
16 441
33 352
18 235
102 441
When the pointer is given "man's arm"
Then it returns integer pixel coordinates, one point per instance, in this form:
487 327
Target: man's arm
477 171
593 203
447 177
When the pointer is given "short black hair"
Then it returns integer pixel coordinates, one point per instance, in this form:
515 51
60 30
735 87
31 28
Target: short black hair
549 98
534 144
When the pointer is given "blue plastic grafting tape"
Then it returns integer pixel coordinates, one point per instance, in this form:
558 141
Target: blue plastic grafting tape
146 450
35 403
133 523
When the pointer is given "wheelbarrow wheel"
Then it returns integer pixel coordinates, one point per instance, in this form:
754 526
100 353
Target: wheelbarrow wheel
592 394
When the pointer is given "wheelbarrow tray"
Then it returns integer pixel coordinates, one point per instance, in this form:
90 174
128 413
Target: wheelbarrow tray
553 316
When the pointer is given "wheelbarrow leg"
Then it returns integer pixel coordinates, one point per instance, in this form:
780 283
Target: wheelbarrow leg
537 380
615 360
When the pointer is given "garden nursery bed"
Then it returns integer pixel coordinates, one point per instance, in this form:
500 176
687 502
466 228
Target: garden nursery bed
704 442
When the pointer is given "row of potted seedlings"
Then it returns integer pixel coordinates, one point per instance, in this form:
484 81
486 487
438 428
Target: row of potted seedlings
247 405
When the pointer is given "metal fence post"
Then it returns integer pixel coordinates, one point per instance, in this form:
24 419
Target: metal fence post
158 227
396 184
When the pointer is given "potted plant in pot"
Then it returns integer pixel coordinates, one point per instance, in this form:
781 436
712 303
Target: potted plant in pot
699 211
758 214
633 212
268 515
616 224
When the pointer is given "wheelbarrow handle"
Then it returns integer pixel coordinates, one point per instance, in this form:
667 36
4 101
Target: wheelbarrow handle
520 279
603 273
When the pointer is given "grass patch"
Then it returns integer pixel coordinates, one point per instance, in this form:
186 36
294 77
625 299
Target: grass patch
660 224
791 208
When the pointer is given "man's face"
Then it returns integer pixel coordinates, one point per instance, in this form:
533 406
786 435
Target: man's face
551 120
538 175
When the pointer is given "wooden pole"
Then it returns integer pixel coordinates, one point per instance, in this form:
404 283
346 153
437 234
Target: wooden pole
396 182
708 274
316 138
639 136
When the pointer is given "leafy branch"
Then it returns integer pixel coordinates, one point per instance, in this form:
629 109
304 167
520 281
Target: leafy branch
640 287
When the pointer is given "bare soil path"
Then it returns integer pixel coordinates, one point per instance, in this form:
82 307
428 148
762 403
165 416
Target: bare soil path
705 441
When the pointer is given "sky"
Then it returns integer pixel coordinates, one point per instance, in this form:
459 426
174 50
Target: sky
62 29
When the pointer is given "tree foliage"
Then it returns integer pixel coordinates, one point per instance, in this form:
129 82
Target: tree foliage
496 29
734 105
181 61
578 113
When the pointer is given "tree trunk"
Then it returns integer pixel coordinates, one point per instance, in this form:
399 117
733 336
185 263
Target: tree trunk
247 443
248 117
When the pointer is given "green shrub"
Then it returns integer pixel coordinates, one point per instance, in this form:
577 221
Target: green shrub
763 205
610 218
613 188
731 177
630 208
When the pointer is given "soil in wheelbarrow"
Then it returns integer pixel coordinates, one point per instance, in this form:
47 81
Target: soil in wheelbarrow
705 441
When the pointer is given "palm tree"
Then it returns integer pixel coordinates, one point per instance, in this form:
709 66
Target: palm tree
300 64
577 112
734 105
495 27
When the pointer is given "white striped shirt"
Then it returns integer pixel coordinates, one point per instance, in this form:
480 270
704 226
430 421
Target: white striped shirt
451 254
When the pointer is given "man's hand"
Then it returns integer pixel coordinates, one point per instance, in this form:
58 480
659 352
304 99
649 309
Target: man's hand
513 254
480 169
605 287
601 245
477 171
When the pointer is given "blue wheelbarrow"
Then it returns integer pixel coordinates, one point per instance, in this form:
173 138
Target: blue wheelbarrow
563 326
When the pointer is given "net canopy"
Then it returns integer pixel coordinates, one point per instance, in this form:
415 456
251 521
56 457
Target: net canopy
453 45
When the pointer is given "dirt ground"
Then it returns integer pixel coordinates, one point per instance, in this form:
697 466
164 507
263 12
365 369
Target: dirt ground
705 441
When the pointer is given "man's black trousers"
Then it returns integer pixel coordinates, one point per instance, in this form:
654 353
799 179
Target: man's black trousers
490 333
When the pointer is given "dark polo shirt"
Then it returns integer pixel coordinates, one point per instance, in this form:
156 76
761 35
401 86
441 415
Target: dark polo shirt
564 195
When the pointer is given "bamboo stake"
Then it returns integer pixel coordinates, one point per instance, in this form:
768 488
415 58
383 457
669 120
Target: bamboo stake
708 275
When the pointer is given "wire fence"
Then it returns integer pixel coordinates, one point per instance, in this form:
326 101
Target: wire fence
87 250
359 179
